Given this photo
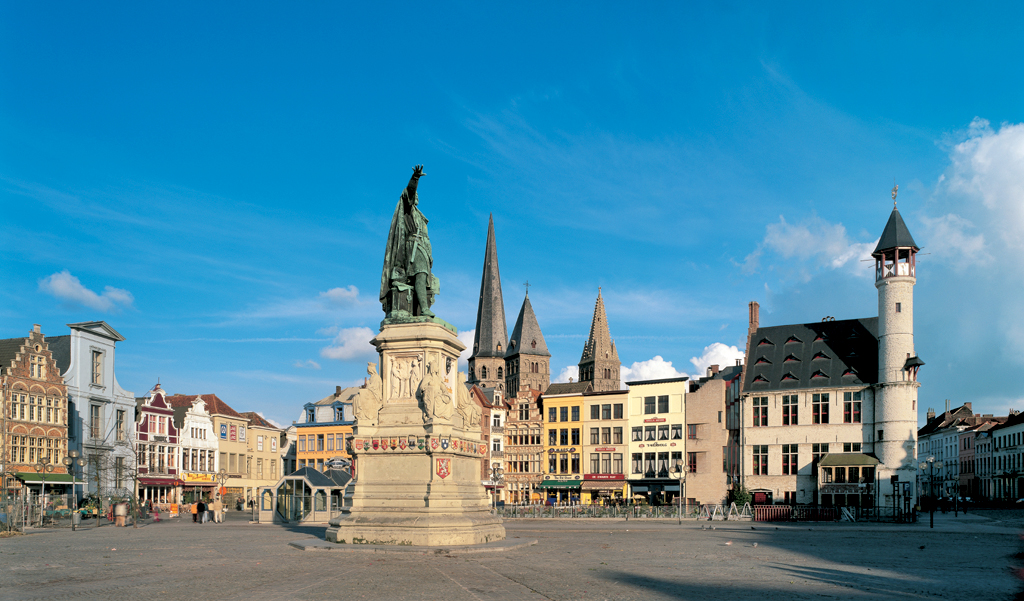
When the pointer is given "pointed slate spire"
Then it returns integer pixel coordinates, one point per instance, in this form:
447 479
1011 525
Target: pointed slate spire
600 344
491 336
895 234
527 338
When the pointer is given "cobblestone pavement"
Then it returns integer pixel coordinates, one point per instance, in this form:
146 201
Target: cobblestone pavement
965 558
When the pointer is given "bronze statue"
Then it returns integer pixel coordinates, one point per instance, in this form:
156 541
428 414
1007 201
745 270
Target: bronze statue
407 286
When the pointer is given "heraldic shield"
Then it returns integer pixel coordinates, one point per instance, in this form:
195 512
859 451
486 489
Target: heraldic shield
444 467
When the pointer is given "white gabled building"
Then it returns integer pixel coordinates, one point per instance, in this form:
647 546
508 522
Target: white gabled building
100 413
197 445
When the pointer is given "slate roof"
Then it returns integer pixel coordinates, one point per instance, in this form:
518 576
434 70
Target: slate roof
895 234
847 459
213 403
9 347
491 336
961 416
255 419
526 332
60 346
330 478
600 340
813 355
569 388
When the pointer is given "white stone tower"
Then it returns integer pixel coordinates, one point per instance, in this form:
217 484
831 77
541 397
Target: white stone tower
895 426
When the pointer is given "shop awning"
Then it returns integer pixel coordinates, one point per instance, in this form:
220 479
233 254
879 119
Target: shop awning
50 478
560 484
603 484
160 482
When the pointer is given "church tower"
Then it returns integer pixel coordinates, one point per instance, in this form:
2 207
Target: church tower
600 361
895 435
486 364
527 361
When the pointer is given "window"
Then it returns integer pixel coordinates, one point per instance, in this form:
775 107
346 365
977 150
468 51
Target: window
575 463
663 465
119 472
719 417
840 475
595 463
606 463
319 442
595 436
617 436
649 433
677 431
663 432
563 436
97 368
789 459
563 463
760 459
826 475
496 420
302 443
760 404
483 372
552 464
637 433
638 463
789 410
339 414
819 408
552 437
606 436
617 411
616 463
575 436
851 447
552 414
691 463
310 415
649 465
851 407
576 413
649 406
899 307
496 445
330 442
691 431
500 375
818 450
595 412
563 413
606 411
663 404
94 421
524 412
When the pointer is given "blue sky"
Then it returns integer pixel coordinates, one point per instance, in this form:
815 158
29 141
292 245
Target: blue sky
216 182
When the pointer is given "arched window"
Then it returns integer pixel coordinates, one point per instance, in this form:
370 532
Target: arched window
483 372
499 374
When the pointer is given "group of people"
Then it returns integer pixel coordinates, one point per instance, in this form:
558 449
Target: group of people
201 511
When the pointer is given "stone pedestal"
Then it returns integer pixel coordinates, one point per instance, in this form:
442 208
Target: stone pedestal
418 470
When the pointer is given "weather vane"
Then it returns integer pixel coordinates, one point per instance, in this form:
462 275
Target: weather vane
895 189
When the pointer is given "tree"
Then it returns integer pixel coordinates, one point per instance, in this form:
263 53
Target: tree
740 495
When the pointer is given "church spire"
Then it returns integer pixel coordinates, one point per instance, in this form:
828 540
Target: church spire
489 342
599 363
527 361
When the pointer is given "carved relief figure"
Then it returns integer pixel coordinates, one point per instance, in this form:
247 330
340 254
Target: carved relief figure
437 402
467 407
414 375
370 400
396 378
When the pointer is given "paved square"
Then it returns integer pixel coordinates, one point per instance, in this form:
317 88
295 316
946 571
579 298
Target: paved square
963 558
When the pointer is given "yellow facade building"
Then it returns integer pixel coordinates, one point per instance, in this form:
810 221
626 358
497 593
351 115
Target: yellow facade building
563 448
323 429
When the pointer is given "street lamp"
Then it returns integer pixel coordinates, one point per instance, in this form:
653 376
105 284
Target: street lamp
73 462
43 466
496 473
930 465
679 474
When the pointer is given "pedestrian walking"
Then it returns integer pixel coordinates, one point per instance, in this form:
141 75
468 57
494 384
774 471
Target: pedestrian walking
218 511
194 508
201 508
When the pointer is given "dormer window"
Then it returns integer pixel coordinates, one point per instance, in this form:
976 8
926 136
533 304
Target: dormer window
765 341
819 374
762 361
820 355
310 416
760 378
789 376
533 344
790 358
339 414
793 339
850 372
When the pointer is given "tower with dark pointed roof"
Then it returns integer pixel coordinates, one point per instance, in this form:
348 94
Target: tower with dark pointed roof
527 360
895 434
600 363
487 363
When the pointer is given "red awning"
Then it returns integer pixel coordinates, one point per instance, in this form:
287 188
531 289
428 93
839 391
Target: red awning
160 482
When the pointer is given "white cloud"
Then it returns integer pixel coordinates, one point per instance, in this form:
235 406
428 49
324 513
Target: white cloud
350 343
328 331
466 337
716 354
273 422
569 371
341 296
307 364
652 369
69 289
825 244
950 239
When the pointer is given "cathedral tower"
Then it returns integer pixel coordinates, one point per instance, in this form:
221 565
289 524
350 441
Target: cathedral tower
895 435
486 364
600 361
527 361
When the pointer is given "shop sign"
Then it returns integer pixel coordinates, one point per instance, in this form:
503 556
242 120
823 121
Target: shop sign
654 444
234 433
223 431
654 420
604 477
562 450
198 477
554 478
604 450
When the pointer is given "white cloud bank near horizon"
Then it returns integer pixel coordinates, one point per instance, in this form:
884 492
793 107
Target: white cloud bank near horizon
350 344
69 289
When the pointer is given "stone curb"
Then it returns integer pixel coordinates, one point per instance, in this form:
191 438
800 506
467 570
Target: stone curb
316 544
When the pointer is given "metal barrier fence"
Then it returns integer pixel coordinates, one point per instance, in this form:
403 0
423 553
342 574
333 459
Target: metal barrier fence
27 510
690 512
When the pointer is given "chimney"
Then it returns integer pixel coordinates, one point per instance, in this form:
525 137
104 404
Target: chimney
710 373
947 405
968 405
755 316
739 362
930 415
337 391
570 381
35 328
714 369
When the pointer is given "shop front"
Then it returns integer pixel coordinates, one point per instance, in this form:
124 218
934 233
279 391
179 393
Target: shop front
603 489
561 490
159 491
198 486
654 491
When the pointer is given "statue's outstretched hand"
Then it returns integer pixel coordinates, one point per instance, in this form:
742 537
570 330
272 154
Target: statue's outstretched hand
417 171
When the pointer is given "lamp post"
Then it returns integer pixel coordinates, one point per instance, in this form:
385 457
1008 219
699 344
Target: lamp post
930 465
222 478
496 473
679 474
42 467
73 462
